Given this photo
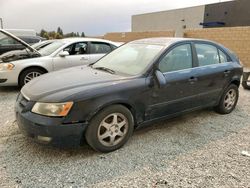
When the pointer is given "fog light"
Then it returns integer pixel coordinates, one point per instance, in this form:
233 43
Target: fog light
44 138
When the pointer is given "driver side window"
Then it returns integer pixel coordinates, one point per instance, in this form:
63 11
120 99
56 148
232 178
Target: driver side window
77 48
178 58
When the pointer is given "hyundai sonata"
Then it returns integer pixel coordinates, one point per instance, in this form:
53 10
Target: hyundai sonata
141 82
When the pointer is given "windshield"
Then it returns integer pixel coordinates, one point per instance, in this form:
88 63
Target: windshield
37 45
47 50
130 59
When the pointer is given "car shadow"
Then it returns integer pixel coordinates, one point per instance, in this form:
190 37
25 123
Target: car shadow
10 89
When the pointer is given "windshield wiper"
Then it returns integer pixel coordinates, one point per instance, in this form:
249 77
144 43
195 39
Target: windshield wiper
105 69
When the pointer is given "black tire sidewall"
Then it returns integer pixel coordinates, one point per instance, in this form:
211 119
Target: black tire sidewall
24 73
245 85
92 129
221 108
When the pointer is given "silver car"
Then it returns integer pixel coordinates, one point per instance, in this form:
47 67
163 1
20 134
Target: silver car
58 55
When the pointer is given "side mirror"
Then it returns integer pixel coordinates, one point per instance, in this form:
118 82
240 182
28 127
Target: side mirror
160 78
63 53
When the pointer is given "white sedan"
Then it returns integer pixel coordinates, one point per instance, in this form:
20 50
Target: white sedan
58 55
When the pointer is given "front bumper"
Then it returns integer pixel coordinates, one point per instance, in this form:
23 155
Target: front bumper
9 78
48 130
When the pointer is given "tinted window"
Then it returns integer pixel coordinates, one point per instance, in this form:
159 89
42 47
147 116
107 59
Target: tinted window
7 41
113 46
207 54
99 48
27 40
30 40
223 57
177 59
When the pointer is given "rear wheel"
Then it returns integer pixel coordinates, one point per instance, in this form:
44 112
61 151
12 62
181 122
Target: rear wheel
110 129
228 100
29 74
246 84
246 80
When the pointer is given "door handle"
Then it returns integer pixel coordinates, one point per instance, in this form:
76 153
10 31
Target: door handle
84 58
193 79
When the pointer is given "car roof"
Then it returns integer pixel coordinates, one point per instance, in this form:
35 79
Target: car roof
76 39
165 40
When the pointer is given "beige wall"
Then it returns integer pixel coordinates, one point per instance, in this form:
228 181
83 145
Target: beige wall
235 38
169 20
129 36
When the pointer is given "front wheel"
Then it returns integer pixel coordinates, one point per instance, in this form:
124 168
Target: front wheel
110 129
29 74
228 100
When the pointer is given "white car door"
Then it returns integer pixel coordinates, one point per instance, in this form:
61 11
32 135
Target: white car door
98 50
77 55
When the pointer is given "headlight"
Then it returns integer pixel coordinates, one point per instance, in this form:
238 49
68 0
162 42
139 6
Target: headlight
6 66
52 109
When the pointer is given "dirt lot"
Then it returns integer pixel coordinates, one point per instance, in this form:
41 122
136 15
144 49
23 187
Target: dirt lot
201 149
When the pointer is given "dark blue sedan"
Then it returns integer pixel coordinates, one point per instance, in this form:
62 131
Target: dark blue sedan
141 82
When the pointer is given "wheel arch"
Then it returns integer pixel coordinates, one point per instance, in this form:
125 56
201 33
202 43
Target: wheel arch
235 81
124 103
31 67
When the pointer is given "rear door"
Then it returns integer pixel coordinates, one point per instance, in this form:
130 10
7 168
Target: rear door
179 93
213 72
98 50
78 55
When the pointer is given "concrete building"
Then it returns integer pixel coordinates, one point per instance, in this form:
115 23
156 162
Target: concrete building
224 14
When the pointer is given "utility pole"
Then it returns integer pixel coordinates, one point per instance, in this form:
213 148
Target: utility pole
1 23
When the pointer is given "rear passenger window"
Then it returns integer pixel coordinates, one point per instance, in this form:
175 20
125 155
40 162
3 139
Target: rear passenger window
99 48
207 54
177 59
223 57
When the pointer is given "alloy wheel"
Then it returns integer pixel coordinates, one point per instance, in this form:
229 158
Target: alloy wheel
230 99
112 129
31 76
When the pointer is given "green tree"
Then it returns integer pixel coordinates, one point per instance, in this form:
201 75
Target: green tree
42 32
83 34
60 31
45 35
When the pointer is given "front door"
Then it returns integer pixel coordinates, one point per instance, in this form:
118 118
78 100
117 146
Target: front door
179 92
77 56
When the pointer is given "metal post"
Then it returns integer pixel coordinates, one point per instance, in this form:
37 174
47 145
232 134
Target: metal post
1 23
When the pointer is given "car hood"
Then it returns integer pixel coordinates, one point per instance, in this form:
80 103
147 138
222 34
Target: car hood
18 40
17 55
59 85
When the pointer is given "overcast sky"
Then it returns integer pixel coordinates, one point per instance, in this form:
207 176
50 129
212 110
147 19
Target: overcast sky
94 17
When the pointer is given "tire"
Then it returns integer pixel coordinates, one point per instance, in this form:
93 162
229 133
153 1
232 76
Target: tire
246 85
110 129
228 100
23 79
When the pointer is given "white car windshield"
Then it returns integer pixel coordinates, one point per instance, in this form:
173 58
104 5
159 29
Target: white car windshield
47 50
130 59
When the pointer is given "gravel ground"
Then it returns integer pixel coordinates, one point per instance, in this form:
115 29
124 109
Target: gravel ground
201 149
